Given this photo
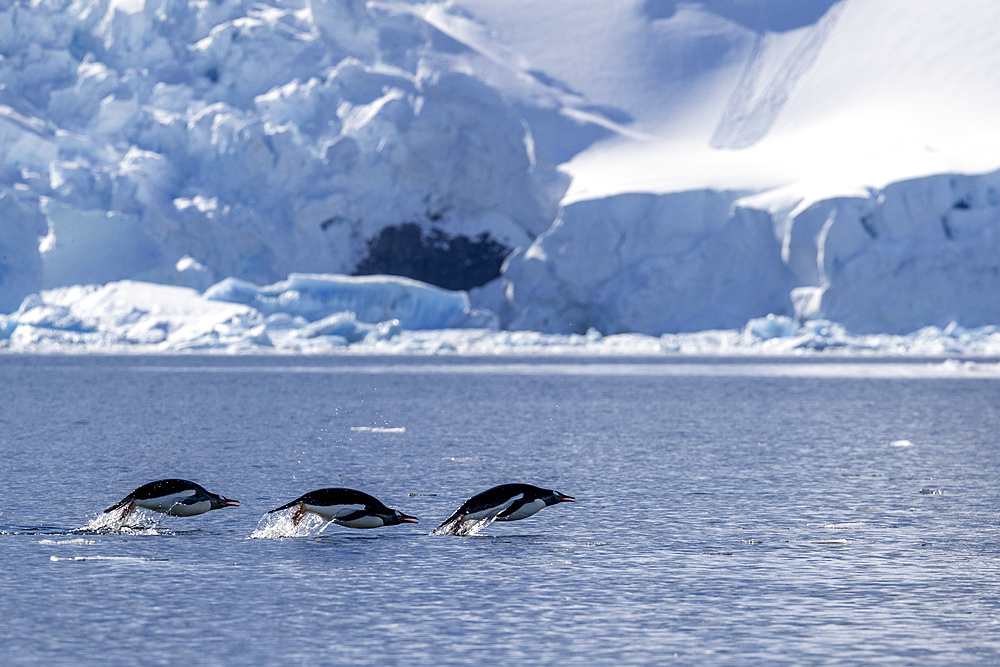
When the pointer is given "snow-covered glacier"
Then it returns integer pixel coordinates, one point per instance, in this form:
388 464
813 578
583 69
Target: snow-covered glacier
801 174
256 140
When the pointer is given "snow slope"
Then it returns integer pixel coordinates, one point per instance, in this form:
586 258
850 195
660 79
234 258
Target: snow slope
656 166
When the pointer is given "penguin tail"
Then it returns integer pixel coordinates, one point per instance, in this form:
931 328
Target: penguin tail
454 518
284 507
121 503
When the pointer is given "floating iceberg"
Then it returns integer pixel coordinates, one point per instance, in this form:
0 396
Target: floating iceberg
371 299
306 313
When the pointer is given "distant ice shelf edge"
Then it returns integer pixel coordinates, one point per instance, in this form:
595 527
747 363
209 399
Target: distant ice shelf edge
326 314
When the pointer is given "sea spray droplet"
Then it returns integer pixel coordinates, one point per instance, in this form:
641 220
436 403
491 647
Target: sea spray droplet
275 526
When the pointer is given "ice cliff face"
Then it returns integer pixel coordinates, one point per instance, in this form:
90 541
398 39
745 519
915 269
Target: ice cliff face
649 166
916 253
254 140
650 263
921 252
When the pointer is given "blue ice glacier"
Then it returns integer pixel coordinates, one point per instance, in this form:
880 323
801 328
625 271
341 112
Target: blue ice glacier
371 299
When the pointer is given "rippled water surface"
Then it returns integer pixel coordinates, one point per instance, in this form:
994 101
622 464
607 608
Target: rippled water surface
726 512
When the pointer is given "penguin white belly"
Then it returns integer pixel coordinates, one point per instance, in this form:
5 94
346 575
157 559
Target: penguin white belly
199 507
172 504
524 511
367 521
332 512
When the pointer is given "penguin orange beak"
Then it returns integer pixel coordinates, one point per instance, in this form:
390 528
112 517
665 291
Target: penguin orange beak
226 502
406 518
566 499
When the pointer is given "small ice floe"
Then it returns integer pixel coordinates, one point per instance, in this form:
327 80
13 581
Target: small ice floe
275 526
830 542
126 559
76 541
931 492
379 429
900 443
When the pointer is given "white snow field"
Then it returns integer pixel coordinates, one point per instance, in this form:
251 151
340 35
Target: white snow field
713 176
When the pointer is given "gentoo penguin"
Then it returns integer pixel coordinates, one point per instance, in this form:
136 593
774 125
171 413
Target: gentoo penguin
507 502
346 507
176 497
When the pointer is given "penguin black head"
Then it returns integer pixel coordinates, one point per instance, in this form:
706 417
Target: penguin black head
555 497
218 502
398 517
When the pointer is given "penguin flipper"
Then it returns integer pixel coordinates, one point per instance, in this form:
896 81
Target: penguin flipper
192 499
514 506
353 516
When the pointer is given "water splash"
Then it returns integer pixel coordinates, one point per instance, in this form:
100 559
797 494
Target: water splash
280 524
139 522
463 528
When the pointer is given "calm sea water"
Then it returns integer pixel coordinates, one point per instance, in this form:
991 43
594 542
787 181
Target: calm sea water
727 512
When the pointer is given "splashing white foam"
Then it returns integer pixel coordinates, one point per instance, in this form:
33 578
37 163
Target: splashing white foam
900 443
139 522
463 528
274 526
379 429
